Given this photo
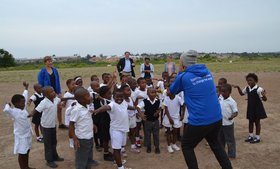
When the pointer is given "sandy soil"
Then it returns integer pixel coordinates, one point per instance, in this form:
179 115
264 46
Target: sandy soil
262 155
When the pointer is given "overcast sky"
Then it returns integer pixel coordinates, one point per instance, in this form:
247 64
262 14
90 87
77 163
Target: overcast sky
35 28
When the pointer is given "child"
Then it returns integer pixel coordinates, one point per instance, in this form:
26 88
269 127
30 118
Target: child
93 78
222 81
48 107
139 95
119 124
172 119
36 98
255 108
106 79
68 105
104 126
81 129
229 111
151 106
22 127
132 118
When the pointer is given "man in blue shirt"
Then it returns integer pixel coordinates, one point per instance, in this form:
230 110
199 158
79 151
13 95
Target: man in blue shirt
205 118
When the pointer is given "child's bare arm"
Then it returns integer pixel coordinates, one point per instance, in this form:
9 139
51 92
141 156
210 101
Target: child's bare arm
233 115
29 102
32 113
264 98
168 115
183 110
131 107
101 109
141 114
66 98
73 135
239 89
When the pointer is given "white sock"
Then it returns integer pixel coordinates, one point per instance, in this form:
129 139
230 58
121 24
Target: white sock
251 134
258 137
137 138
133 146
121 167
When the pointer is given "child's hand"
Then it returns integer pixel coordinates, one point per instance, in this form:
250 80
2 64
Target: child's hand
181 118
171 121
156 113
25 84
76 144
263 93
95 129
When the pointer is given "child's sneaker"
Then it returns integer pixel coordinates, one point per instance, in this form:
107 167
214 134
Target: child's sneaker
71 143
123 162
40 139
255 140
249 139
169 149
175 147
135 150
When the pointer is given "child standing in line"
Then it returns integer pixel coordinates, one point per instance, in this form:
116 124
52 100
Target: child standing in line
172 119
139 95
229 111
255 108
69 106
222 81
22 127
48 107
151 107
81 129
36 98
93 78
132 118
79 81
119 125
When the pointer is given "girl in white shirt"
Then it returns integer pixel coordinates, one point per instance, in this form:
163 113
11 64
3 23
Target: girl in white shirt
22 127
119 124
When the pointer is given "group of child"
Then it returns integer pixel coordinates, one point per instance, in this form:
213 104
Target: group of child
108 112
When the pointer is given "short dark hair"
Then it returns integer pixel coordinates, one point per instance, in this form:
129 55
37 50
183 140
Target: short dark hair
46 58
93 76
252 75
227 87
80 92
117 90
224 80
69 81
103 90
140 79
16 98
127 52
146 58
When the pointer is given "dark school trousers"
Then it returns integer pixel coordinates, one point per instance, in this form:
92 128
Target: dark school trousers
151 128
226 137
50 143
84 154
194 134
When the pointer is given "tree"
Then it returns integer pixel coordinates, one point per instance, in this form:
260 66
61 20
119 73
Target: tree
6 59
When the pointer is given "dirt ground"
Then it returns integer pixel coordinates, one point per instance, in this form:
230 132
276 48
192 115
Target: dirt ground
262 155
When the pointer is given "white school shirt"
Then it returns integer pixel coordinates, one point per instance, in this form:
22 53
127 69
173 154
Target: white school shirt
140 93
127 66
89 89
259 91
228 107
174 106
70 101
119 116
102 84
49 112
131 113
33 97
83 121
22 125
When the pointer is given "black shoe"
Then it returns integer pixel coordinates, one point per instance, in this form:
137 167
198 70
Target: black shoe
249 139
59 159
157 150
52 164
149 150
93 163
255 140
108 157
62 126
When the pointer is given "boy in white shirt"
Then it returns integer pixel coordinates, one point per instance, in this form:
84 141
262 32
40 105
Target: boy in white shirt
81 129
172 119
229 111
119 125
22 127
48 107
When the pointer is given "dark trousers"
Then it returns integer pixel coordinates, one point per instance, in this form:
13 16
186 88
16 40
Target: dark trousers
226 136
50 143
194 134
84 154
151 127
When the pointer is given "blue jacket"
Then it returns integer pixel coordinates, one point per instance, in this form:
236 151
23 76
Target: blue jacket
199 94
44 79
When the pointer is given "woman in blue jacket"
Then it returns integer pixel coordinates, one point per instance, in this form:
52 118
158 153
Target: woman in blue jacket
48 76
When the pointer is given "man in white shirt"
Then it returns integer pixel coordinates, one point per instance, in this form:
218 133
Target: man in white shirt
125 65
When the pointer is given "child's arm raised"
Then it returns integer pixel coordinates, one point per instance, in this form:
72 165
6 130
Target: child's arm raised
239 89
